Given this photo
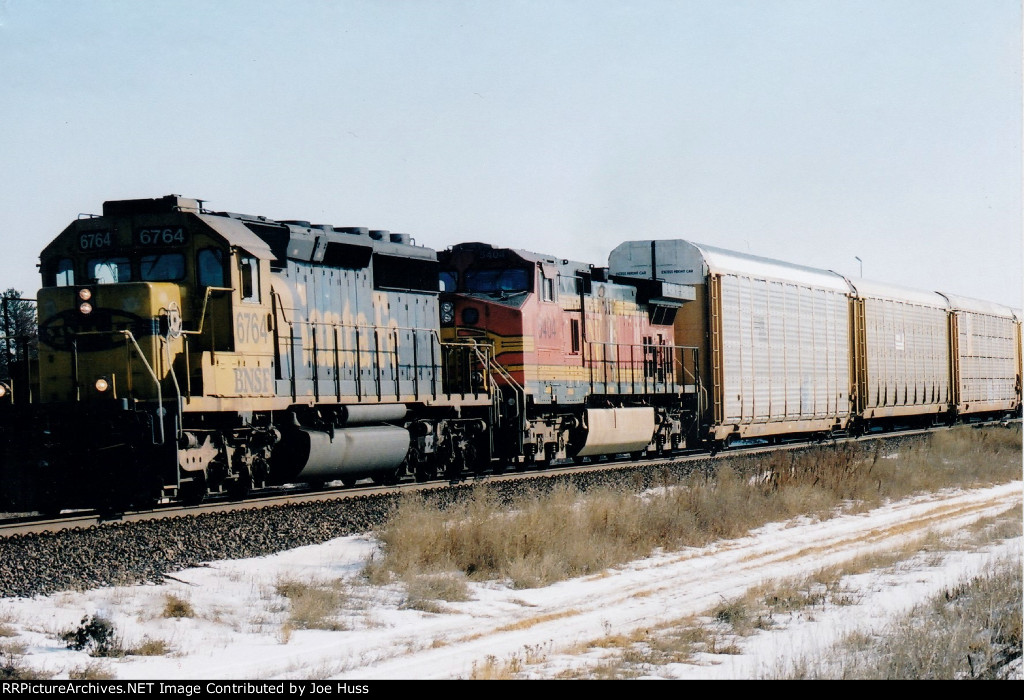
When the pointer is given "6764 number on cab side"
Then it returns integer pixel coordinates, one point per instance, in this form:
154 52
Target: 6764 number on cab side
169 236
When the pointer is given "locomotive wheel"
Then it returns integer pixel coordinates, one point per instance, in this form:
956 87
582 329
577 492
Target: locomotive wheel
192 492
387 479
550 450
48 510
240 488
348 481
425 472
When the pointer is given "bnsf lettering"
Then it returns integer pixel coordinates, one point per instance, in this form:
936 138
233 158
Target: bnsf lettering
251 327
253 380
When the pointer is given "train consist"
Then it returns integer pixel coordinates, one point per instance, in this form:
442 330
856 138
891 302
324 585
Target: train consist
185 353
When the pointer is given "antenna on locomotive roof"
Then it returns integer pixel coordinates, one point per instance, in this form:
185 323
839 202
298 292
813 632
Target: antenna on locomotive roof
861 265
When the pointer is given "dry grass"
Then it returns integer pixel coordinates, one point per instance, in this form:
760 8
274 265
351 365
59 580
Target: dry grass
564 533
642 651
717 632
151 647
494 669
423 588
969 631
961 456
177 607
11 666
313 605
94 671
447 586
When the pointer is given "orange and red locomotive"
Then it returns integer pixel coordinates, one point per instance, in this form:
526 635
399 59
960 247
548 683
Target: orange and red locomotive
589 365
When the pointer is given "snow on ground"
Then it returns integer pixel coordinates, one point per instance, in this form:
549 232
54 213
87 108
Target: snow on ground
239 629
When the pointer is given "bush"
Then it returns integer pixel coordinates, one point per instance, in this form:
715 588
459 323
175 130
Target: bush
95 635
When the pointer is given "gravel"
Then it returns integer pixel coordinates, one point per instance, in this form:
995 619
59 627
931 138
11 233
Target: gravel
146 551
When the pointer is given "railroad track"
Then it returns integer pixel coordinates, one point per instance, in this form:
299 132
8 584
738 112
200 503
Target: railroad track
88 550
22 524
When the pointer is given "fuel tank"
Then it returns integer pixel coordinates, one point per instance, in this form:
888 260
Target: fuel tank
616 430
361 451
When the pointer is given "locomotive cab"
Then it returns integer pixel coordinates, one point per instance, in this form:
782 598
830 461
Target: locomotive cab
137 302
146 310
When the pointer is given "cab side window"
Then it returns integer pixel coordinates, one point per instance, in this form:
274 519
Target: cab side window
211 267
249 276
65 271
547 288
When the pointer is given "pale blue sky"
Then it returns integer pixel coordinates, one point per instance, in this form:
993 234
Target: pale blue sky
812 131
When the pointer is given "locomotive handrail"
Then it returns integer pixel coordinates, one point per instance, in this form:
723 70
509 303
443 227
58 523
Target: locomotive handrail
487 361
619 365
177 387
385 358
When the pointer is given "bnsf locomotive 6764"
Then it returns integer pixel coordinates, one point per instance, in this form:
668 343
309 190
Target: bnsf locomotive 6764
184 352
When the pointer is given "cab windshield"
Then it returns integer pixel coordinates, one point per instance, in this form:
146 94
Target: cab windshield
109 270
165 267
506 279
157 267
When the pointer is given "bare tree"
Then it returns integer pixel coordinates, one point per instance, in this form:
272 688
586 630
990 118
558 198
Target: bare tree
18 341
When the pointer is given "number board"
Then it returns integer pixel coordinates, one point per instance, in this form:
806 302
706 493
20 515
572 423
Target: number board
160 236
95 240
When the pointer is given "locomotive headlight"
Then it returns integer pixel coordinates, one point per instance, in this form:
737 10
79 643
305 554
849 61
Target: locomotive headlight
85 307
102 384
3 390
85 294
447 313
